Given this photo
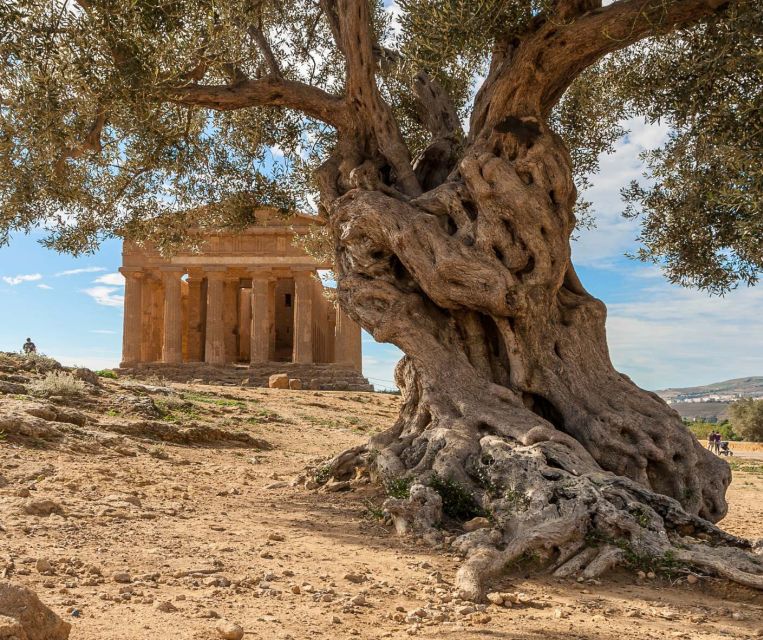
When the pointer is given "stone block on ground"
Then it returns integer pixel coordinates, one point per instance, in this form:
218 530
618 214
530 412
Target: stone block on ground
278 381
295 383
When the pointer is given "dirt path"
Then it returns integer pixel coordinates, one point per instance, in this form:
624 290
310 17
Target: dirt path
157 541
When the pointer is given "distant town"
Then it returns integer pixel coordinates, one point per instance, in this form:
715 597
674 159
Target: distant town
711 402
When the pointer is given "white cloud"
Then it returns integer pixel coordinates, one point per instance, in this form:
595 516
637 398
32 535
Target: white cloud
111 279
614 235
44 286
74 272
14 280
104 331
105 296
672 336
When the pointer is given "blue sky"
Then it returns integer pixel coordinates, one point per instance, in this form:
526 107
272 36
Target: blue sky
660 335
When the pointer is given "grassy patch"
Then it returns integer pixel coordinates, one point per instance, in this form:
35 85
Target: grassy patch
748 466
208 399
106 373
57 384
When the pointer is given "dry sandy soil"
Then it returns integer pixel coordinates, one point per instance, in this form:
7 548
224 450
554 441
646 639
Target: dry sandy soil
162 526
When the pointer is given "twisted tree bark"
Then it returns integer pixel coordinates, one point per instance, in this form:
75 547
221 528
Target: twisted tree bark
509 392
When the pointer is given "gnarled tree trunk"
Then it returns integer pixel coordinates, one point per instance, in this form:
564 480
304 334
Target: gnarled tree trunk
509 392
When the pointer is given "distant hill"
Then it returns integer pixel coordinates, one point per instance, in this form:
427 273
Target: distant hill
711 401
733 389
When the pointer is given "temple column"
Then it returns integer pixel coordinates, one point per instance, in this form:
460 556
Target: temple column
303 318
172 343
347 346
194 318
132 334
262 303
214 350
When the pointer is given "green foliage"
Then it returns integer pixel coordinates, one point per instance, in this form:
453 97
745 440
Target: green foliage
374 511
747 418
702 429
398 487
701 212
323 474
106 373
457 501
94 144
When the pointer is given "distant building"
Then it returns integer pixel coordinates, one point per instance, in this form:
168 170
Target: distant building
247 297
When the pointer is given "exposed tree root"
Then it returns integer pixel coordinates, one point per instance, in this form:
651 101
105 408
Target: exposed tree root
547 501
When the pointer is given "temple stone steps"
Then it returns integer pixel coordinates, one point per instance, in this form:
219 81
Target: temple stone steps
325 376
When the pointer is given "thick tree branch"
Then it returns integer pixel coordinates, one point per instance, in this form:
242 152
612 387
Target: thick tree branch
546 62
264 92
373 114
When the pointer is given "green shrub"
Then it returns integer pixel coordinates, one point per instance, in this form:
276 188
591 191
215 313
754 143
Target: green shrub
457 502
398 487
57 383
701 429
106 373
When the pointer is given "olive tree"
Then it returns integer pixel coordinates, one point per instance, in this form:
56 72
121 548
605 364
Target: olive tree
445 151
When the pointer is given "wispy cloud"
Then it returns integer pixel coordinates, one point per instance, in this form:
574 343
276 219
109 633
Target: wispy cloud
670 336
44 286
111 279
74 272
14 280
104 331
105 296
605 246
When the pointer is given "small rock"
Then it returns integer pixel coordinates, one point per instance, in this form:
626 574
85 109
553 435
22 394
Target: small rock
692 579
295 384
165 606
358 600
43 566
276 537
356 578
738 615
122 577
295 588
229 630
336 620
42 508
476 523
495 598
465 611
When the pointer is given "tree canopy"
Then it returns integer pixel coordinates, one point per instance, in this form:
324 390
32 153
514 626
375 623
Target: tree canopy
117 118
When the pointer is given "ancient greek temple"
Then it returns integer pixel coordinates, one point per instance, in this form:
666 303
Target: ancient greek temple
246 298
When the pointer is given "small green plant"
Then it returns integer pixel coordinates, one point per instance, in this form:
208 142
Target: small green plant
323 474
398 487
374 511
57 383
3 436
516 500
112 412
641 516
106 373
457 502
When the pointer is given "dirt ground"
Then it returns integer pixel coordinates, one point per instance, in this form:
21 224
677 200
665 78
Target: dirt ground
162 526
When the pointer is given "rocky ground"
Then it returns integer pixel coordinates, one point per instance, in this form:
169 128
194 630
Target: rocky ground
139 509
